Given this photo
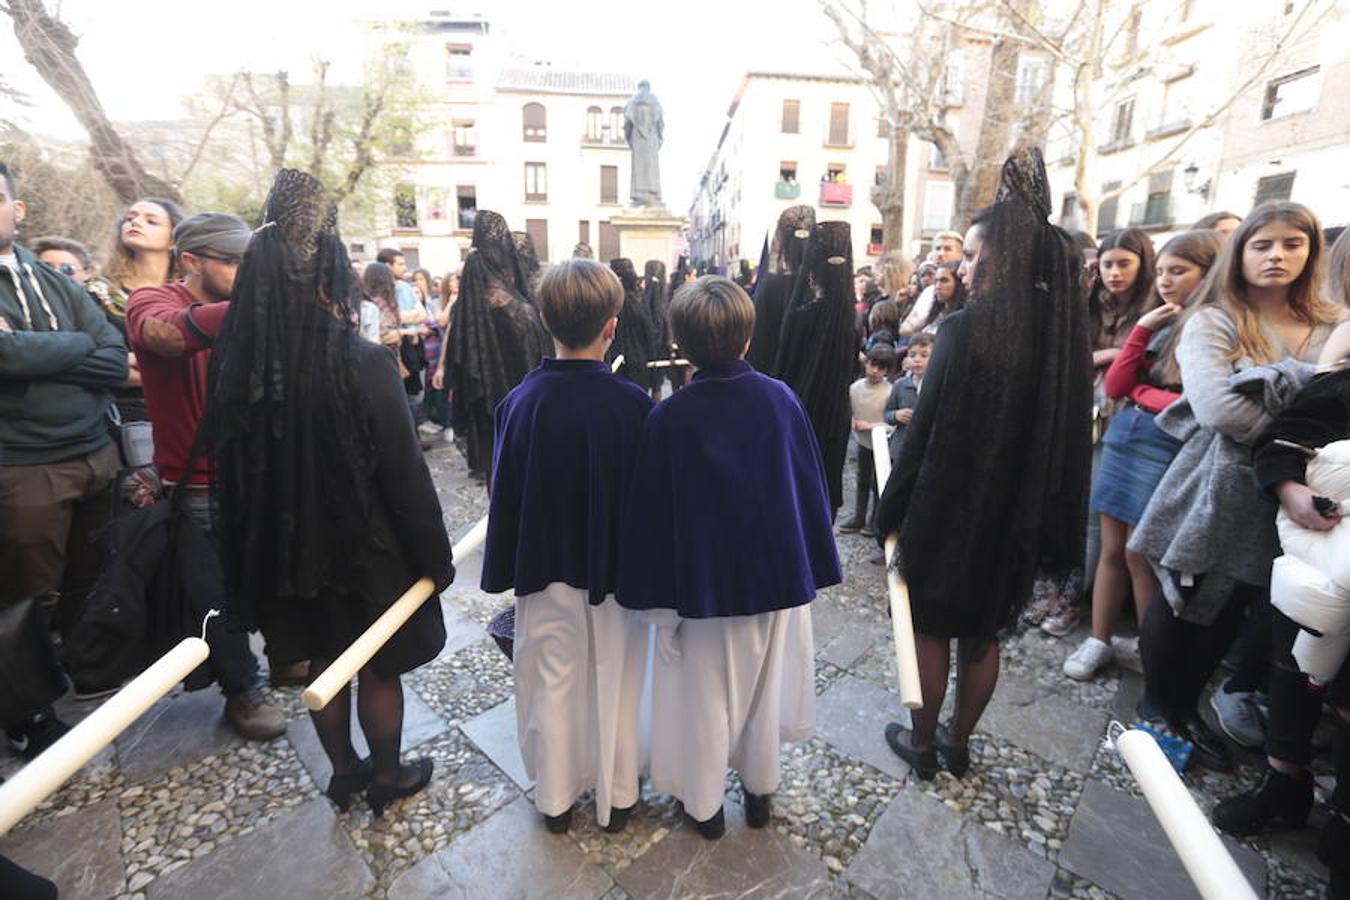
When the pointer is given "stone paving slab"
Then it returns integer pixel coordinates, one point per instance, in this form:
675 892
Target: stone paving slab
508 857
177 731
841 636
420 724
300 855
746 863
1115 841
1051 726
852 716
495 734
919 848
84 861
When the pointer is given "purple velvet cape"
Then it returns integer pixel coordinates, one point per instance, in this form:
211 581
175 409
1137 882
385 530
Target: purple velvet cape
566 442
728 513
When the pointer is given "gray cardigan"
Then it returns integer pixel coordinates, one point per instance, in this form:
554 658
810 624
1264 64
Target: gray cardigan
1207 516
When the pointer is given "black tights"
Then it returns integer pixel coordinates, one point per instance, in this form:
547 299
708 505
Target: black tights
977 663
1179 656
379 707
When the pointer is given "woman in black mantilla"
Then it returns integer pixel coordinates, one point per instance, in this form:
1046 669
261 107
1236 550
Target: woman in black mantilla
635 338
496 336
324 507
991 486
653 298
777 275
818 347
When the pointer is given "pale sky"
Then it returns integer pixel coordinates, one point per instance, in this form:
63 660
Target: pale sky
144 56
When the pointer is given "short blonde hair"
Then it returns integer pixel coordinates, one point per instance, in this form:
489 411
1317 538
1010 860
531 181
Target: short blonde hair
712 319
948 236
576 298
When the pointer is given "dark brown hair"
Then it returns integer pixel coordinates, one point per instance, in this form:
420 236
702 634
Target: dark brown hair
712 319
120 256
576 298
1141 299
922 339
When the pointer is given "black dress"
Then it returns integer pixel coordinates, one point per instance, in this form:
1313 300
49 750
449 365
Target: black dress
406 541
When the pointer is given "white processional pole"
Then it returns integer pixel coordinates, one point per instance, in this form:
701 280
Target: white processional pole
902 621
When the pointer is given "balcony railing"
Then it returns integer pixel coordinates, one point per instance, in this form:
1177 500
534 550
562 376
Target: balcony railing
1157 212
874 249
787 190
834 194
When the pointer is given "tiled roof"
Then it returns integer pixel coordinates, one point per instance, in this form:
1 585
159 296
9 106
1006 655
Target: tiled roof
544 78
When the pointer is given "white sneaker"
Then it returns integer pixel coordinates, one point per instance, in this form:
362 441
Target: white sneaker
1085 662
430 428
1126 652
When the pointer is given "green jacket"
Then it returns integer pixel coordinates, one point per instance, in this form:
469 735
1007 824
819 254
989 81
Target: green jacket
55 381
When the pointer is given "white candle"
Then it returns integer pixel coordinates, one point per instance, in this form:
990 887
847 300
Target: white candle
1207 860
618 361
41 777
472 540
902 621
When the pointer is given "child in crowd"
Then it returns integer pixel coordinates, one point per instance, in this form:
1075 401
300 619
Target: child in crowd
867 397
566 442
726 538
904 394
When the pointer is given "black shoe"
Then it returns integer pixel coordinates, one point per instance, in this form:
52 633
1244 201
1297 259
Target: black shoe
31 738
341 787
618 818
1210 750
560 823
923 762
852 526
953 758
758 808
1331 851
868 531
1150 710
1278 796
381 795
713 828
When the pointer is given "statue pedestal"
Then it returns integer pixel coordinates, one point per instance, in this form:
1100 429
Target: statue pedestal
648 232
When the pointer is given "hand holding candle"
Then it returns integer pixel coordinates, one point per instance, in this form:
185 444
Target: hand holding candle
902 622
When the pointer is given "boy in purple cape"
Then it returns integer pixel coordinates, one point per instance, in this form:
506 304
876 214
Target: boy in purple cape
726 537
566 440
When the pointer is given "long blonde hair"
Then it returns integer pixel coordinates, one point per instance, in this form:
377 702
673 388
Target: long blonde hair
1338 270
1226 288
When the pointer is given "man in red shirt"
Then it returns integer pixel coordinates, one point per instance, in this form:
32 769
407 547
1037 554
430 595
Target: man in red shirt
172 328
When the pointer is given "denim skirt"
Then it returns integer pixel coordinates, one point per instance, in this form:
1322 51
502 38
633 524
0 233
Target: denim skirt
1135 454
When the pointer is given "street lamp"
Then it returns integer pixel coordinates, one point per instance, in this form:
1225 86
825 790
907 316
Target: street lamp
1190 174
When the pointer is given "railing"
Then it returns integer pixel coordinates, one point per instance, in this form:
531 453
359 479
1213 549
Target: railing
874 249
787 190
834 194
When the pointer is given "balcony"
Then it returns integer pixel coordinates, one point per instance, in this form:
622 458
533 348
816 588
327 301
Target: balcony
834 194
874 249
787 190
1156 213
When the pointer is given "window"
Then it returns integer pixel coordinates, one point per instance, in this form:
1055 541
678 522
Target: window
838 136
1122 123
1132 32
537 229
535 122
609 187
953 86
1068 209
609 242
1176 106
1291 94
1274 187
356 248
836 172
874 235
616 125
1031 75
1107 212
466 206
938 199
787 170
436 200
459 62
465 137
1158 209
411 257
792 116
593 123
584 231
536 181
405 206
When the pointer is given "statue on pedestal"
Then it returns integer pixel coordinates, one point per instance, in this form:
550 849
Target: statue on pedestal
642 128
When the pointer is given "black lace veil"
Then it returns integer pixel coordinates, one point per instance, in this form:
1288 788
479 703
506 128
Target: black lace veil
635 338
781 259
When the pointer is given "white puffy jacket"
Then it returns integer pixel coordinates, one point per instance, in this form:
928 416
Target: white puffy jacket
1310 583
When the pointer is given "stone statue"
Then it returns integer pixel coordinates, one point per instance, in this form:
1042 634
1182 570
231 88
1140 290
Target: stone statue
642 128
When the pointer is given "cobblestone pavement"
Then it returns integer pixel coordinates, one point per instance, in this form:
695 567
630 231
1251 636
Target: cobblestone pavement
180 808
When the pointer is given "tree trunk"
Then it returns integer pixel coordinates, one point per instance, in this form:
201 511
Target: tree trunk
991 147
49 45
889 197
1085 110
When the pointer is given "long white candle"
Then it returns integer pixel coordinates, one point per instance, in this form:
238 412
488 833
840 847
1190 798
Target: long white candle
1207 860
618 361
472 540
41 777
902 621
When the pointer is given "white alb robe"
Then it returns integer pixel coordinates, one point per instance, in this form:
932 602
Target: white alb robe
579 676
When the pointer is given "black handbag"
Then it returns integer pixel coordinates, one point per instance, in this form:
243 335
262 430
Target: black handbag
30 679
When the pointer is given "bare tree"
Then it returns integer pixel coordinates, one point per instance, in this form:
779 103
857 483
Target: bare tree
49 46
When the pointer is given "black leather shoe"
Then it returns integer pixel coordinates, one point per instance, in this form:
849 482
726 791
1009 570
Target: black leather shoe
1210 750
618 818
1278 796
381 795
758 809
923 762
713 828
954 759
561 822
341 787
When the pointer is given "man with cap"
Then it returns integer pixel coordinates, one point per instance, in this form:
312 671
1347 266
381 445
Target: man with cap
171 328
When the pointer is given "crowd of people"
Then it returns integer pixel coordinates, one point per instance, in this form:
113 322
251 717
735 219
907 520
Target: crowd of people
229 415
